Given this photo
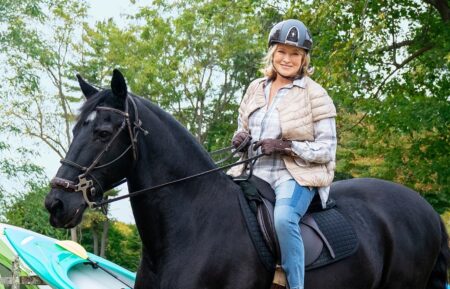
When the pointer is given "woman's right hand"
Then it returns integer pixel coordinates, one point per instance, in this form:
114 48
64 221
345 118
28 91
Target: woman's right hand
239 138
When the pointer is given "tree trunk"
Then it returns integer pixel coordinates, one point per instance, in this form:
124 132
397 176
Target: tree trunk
74 234
104 238
95 240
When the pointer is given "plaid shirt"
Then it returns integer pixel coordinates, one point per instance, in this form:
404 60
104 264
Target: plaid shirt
265 123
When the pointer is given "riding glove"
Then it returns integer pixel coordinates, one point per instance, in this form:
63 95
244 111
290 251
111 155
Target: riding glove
270 146
239 138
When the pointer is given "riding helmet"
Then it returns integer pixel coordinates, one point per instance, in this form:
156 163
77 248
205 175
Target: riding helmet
291 32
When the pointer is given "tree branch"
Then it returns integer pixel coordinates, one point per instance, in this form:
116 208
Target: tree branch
397 68
442 7
396 45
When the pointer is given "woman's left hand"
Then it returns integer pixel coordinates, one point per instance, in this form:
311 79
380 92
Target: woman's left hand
270 146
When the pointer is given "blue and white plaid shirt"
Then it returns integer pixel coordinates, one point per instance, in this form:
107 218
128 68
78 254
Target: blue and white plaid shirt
265 123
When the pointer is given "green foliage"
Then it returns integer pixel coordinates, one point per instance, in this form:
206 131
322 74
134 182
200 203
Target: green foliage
10 9
27 210
386 66
384 63
38 53
15 168
124 245
193 58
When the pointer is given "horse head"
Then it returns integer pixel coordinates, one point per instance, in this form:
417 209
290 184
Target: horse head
100 154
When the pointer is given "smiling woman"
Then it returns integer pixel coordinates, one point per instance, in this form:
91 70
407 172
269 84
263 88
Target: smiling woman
291 119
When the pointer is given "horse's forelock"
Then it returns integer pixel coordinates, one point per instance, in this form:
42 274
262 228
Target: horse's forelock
90 104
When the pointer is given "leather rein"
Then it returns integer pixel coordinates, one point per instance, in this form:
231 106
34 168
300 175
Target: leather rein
86 186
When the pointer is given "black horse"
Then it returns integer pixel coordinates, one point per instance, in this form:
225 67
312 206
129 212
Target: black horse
193 232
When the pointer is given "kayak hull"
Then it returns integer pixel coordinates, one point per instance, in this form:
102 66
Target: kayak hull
62 269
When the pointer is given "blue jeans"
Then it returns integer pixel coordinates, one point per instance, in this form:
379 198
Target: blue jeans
292 201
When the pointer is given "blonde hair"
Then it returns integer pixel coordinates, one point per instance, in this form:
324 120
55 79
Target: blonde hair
269 71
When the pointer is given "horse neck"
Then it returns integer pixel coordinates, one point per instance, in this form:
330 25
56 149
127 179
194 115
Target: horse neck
178 211
169 151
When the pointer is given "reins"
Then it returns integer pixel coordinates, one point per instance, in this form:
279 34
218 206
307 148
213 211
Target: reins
86 186
135 193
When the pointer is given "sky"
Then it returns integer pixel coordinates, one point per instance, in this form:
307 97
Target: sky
103 10
99 10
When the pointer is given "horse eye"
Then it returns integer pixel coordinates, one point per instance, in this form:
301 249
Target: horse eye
104 134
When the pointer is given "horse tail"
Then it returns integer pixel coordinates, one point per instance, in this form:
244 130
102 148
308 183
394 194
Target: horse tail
438 277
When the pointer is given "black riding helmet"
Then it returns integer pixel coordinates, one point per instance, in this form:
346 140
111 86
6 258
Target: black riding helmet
291 32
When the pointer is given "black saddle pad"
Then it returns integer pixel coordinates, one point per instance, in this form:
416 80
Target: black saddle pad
338 232
340 235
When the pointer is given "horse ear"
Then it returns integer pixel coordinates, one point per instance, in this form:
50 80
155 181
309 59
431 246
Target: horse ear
118 84
87 89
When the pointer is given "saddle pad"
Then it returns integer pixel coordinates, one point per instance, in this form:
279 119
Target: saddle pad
340 235
264 253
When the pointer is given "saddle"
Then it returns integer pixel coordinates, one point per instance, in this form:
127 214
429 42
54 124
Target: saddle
327 235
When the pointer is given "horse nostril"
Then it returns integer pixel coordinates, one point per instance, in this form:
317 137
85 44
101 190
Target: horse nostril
54 205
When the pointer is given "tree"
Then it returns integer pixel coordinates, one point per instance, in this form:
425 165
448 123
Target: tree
35 59
19 206
185 56
124 246
14 169
40 59
31 54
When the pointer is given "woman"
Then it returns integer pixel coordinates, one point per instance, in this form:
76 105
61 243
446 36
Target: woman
291 120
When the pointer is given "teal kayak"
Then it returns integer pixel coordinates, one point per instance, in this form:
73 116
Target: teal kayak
63 269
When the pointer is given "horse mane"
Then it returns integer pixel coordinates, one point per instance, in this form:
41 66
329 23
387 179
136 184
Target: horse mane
104 97
173 125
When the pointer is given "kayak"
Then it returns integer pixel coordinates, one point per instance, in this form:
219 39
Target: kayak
7 257
62 269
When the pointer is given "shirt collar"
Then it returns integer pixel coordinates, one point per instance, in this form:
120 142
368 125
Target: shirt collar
300 82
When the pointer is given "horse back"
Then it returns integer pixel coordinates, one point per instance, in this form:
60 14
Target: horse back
399 233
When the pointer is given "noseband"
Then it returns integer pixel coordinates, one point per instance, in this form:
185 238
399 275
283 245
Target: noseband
85 185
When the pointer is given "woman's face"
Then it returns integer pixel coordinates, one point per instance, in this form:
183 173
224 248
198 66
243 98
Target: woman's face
287 60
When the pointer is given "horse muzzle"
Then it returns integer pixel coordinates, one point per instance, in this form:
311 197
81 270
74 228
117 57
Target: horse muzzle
65 211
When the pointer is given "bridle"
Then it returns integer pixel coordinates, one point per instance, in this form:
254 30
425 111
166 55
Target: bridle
85 185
